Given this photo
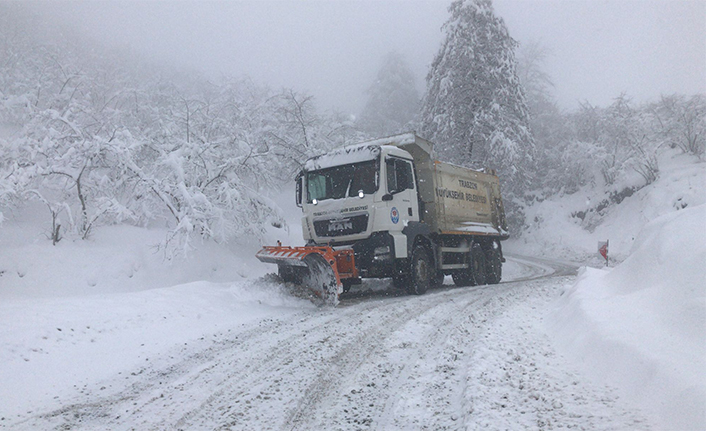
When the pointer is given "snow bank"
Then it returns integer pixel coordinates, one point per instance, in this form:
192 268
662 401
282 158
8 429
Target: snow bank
116 259
79 312
642 325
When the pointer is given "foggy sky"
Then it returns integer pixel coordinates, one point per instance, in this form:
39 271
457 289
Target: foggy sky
332 49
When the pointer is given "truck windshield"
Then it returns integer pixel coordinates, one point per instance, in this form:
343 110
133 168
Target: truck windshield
342 181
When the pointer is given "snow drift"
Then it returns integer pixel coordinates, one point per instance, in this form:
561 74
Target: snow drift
640 326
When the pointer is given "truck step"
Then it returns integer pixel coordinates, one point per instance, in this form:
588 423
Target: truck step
455 249
454 266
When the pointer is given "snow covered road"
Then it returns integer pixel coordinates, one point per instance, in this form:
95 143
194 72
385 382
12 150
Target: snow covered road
455 358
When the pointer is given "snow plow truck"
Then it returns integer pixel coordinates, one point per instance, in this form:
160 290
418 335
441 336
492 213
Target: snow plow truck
387 208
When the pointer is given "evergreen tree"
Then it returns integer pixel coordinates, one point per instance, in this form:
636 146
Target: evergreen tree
393 100
475 108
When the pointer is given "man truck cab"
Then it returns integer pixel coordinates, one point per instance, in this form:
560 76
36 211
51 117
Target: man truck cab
387 208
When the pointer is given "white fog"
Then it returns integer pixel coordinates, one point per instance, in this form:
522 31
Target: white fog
385 215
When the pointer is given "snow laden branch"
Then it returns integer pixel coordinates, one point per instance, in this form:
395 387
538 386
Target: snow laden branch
97 144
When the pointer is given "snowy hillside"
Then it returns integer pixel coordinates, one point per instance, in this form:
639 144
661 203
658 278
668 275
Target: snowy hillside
82 310
639 324
571 225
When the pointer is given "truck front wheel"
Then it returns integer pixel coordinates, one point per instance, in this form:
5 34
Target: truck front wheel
421 270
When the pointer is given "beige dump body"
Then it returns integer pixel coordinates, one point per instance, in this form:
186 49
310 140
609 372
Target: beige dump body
465 201
456 200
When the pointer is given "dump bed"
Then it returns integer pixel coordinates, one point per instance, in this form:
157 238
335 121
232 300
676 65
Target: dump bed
455 200
465 201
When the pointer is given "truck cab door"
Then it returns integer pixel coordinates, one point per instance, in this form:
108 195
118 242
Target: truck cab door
401 191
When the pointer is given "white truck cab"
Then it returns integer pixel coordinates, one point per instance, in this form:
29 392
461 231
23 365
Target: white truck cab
391 202
370 189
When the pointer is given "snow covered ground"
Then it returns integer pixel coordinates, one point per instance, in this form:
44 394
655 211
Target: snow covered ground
455 358
642 325
102 334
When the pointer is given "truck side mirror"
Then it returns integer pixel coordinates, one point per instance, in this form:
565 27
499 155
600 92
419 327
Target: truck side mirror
387 197
299 189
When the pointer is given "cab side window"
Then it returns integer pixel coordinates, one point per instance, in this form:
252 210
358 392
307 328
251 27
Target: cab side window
399 175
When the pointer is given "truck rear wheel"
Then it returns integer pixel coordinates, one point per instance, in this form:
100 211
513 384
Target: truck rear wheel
475 274
478 264
493 266
421 270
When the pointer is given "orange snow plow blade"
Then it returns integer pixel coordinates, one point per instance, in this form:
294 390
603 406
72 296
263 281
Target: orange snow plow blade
321 269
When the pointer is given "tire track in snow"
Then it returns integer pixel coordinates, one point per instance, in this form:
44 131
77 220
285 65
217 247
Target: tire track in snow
378 363
150 380
165 392
357 398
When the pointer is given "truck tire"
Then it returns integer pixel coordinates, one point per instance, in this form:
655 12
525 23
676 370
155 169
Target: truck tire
493 266
346 285
462 278
400 275
475 274
478 265
421 270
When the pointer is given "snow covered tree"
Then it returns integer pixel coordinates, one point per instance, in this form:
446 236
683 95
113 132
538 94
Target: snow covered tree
393 100
296 132
682 122
62 153
475 108
202 164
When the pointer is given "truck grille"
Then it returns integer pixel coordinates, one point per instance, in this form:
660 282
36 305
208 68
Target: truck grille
341 226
